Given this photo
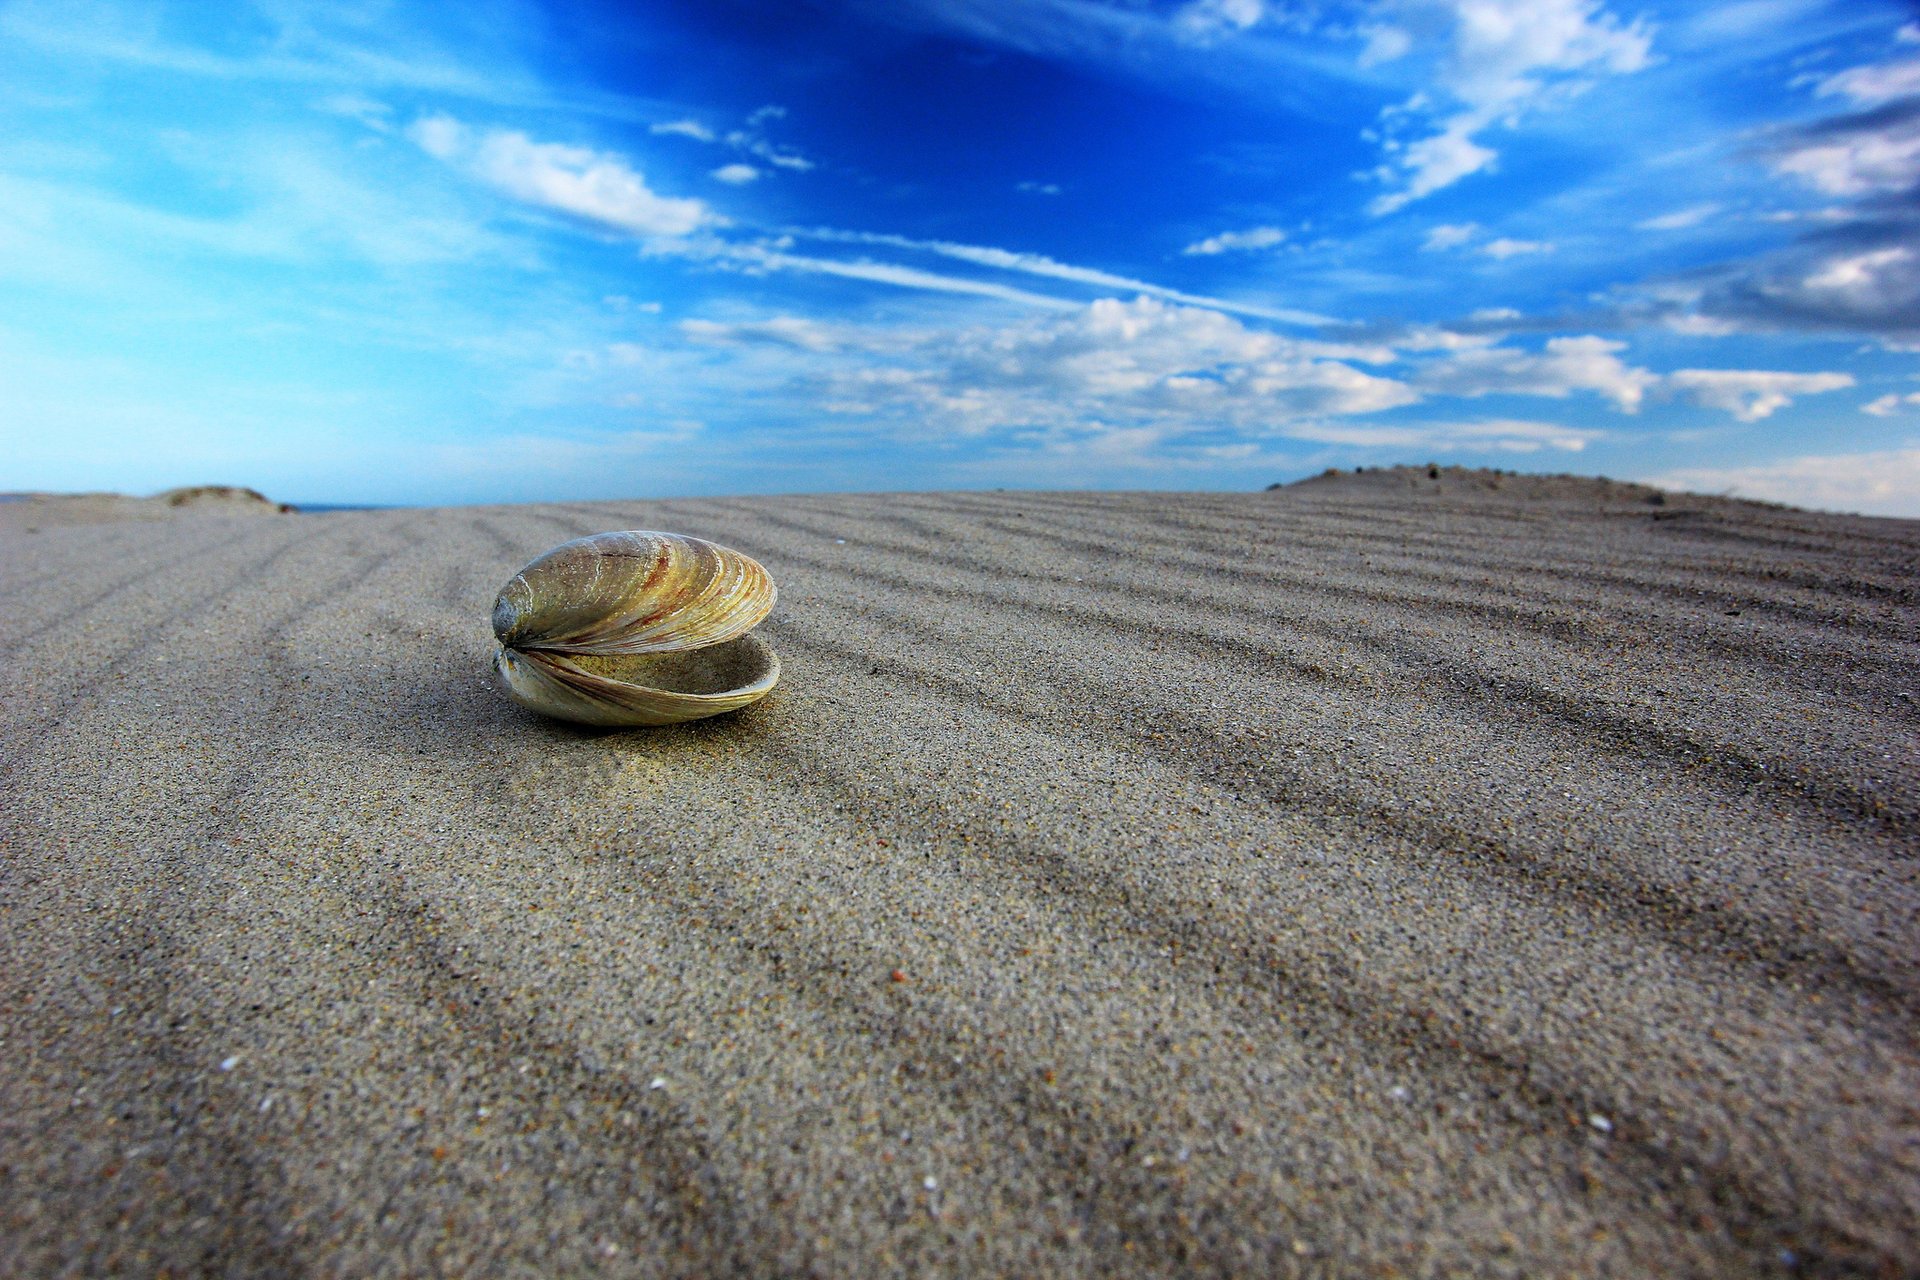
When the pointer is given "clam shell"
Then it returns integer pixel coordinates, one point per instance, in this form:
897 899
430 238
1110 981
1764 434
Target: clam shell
635 628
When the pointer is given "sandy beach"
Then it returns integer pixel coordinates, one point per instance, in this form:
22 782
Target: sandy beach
1384 876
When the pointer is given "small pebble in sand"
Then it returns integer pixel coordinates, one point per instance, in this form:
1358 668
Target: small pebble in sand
228 1064
1601 1123
897 976
658 1082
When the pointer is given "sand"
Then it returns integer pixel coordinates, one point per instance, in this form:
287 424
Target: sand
1385 876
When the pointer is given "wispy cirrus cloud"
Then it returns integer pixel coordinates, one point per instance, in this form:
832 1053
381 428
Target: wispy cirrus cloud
1507 57
750 139
683 129
597 186
1680 219
1236 241
761 258
1040 265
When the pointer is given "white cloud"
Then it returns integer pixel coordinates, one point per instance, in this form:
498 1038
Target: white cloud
1384 44
1885 482
1879 82
1205 20
786 331
686 129
770 153
1138 363
374 114
748 139
1434 162
1860 274
1040 265
598 186
1855 278
1226 241
736 174
1504 248
1888 405
1864 155
1434 338
1508 435
1507 56
1695 325
1566 366
1679 219
1751 394
756 258
1039 188
1450 235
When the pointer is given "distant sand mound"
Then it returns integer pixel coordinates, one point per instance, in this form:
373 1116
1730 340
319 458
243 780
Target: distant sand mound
31 512
1482 482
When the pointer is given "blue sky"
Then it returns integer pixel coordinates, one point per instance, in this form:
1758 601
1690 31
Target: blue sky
505 251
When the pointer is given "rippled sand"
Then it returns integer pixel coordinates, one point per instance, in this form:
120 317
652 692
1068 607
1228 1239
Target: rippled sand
1380 877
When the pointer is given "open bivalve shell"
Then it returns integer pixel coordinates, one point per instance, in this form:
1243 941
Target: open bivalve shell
635 628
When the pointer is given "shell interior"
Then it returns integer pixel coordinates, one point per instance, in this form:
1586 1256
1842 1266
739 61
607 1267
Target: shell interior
635 628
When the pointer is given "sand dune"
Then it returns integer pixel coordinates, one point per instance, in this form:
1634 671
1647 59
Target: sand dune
1385 876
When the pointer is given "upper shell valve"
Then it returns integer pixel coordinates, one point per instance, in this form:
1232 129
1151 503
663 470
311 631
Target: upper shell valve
635 628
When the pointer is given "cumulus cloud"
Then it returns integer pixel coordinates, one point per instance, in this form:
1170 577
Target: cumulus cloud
1143 363
1232 241
1861 276
1434 162
1450 236
1751 394
1888 405
736 174
1880 82
1505 248
1883 482
1854 268
686 129
1862 153
1203 21
598 186
1565 366
1507 56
